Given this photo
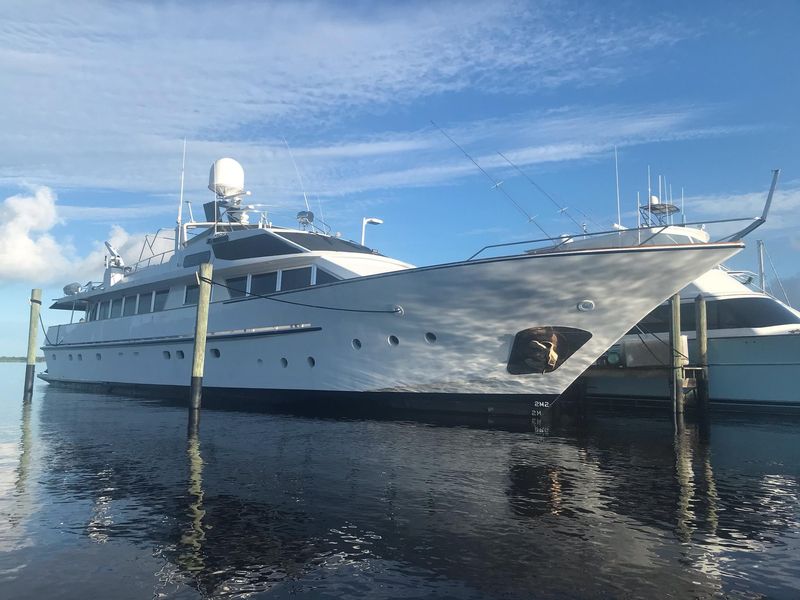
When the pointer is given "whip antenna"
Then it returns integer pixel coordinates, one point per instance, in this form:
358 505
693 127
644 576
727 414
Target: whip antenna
297 171
496 184
561 209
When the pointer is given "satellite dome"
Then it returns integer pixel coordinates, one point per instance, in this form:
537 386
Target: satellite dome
226 178
654 200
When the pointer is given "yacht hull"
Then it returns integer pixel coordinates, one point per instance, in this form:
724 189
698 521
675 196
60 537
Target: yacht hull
439 331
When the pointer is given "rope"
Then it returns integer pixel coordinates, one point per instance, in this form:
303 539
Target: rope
44 331
777 277
396 310
639 334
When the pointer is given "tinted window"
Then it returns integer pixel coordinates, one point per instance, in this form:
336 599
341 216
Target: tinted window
313 241
192 294
237 286
730 313
104 306
325 277
160 300
295 278
145 302
116 307
130 306
263 244
264 283
751 312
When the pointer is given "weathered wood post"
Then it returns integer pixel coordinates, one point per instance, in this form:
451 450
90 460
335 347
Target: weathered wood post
701 325
677 363
200 332
30 362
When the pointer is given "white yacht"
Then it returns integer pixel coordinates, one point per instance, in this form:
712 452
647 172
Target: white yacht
753 346
300 315
753 338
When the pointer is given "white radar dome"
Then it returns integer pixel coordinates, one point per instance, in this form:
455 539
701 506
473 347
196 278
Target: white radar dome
654 200
226 178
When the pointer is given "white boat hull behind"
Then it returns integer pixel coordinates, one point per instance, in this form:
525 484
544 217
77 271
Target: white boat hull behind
446 329
747 368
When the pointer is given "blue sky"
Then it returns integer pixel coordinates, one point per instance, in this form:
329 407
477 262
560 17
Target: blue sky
97 98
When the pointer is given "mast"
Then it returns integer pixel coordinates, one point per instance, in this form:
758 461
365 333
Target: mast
179 223
649 195
616 172
762 276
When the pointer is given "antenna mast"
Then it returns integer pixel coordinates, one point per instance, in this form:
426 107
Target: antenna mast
297 171
179 228
649 195
683 212
616 172
497 185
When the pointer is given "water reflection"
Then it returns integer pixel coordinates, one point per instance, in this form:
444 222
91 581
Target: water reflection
333 507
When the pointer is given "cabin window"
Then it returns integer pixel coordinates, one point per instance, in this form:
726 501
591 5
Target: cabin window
265 283
729 313
237 286
145 303
292 279
116 308
325 277
130 306
90 308
103 308
313 241
160 300
262 244
192 294
733 313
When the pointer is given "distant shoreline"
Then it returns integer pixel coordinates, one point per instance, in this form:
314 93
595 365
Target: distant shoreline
18 359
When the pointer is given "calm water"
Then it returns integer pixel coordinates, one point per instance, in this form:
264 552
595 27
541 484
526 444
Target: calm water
106 496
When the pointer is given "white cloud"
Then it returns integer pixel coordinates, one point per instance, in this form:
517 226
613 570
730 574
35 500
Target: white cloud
111 88
30 252
783 216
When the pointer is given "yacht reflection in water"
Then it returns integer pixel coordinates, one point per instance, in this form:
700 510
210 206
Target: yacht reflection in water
621 507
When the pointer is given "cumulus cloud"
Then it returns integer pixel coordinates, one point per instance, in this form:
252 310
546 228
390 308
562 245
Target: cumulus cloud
29 251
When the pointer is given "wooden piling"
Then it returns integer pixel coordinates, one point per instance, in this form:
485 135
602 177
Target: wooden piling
30 363
200 332
701 323
676 384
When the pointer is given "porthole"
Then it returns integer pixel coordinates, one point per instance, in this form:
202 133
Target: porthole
393 341
430 338
120 353
215 352
97 356
311 361
284 363
136 353
166 355
80 356
69 356
54 356
356 344
179 354
259 361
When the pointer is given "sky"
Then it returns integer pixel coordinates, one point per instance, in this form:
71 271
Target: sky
99 96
